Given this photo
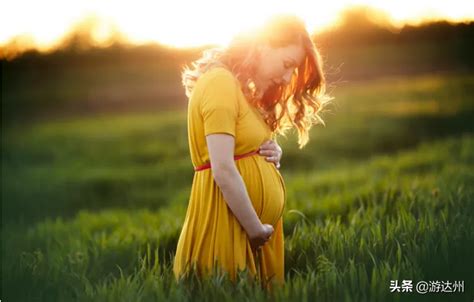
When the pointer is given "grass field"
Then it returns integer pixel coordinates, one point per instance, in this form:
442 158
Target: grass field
92 207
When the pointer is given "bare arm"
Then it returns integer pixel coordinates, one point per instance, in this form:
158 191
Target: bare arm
229 180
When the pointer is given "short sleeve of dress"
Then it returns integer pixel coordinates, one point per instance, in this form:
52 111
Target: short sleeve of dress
219 103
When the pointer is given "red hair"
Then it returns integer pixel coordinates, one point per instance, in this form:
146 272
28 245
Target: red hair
296 104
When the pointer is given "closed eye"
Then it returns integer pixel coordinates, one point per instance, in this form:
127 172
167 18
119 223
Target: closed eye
288 65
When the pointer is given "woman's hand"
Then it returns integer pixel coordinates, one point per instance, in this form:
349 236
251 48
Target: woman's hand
261 237
272 151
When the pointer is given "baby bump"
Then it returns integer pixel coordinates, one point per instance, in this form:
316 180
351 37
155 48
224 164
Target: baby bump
265 186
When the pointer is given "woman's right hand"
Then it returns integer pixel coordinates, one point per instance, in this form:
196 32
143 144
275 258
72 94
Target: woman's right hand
261 237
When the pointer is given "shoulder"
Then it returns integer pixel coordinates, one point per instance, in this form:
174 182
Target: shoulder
220 72
218 78
218 88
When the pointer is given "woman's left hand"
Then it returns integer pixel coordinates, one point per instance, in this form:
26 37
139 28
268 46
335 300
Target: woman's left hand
272 151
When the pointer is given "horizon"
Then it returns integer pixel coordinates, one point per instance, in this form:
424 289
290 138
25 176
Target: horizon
107 25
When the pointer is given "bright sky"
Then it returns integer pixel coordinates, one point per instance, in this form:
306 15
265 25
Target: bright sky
190 23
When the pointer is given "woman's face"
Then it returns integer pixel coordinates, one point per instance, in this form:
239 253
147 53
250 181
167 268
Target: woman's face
277 65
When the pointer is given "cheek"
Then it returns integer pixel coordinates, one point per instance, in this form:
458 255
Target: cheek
266 68
261 69
270 68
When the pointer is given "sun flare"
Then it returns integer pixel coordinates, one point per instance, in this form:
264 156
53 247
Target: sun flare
191 23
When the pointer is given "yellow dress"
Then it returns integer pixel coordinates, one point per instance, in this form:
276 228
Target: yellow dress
211 235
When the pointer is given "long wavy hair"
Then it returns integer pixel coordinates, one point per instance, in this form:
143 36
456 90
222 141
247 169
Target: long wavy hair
296 104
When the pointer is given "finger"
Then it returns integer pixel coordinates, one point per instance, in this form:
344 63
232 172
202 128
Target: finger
268 145
273 159
271 155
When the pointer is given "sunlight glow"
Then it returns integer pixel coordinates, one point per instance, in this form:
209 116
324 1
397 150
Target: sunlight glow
183 23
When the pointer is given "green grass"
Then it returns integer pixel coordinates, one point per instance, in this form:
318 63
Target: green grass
92 207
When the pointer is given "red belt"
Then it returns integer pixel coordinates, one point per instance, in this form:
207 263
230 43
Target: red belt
236 157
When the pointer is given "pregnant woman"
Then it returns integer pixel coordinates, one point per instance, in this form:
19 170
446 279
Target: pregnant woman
240 97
